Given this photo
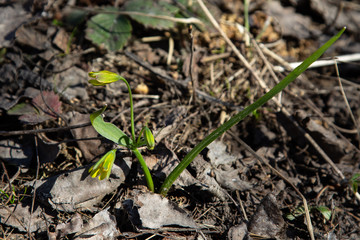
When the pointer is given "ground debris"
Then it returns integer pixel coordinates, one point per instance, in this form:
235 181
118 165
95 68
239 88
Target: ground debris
267 220
76 190
148 210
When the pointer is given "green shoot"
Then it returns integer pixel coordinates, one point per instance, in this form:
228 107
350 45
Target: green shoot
102 168
354 182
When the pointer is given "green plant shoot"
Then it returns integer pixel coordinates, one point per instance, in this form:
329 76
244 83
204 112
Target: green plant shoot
102 168
354 182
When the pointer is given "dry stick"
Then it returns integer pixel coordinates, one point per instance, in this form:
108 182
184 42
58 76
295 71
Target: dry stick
215 57
171 51
34 185
267 63
241 205
8 178
193 80
263 160
46 130
347 102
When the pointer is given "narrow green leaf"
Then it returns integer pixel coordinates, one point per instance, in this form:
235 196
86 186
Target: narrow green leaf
111 30
241 115
109 130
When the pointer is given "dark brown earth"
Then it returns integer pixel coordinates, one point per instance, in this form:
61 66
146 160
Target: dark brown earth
250 184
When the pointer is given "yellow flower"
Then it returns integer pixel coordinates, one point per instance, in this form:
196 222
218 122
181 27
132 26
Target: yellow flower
102 78
103 167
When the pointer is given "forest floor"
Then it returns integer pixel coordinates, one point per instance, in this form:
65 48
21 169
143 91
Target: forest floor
302 147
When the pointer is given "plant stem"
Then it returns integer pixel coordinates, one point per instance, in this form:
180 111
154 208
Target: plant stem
246 14
148 177
131 110
241 115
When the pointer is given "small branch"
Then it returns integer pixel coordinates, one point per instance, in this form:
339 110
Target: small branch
347 102
193 80
35 131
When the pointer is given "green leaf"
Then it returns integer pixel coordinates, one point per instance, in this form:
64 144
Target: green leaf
325 211
154 8
21 109
109 130
111 30
355 181
299 211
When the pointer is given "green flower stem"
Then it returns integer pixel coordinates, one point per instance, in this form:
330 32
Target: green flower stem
246 14
148 177
241 115
131 110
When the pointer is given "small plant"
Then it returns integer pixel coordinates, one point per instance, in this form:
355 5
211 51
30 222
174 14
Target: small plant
354 182
12 197
108 130
325 212
103 167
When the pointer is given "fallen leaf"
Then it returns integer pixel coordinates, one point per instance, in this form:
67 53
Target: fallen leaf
154 211
101 226
267 220
76 190
18 216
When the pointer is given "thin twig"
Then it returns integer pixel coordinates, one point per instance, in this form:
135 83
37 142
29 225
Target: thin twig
8 178
347 102
193 80
46 130
171 51
241 205
34 185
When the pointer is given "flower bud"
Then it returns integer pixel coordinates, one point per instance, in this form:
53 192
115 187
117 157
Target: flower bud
102 78
149 138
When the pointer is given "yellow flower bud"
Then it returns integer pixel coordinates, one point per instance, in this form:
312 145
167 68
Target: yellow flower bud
102 78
